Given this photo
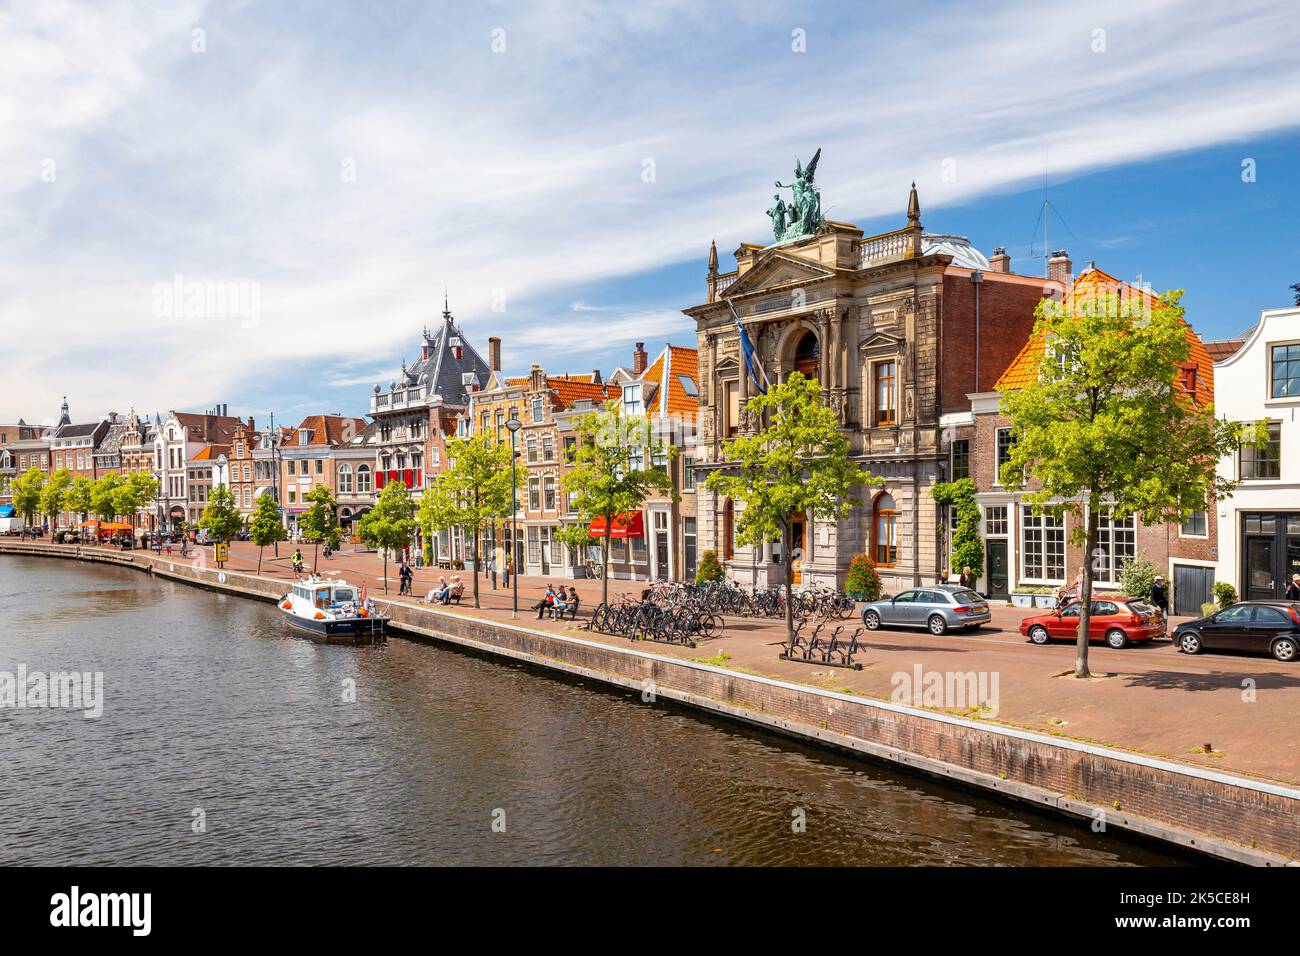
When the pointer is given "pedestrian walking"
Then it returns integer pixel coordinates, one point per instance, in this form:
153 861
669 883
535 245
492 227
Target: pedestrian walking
1160 594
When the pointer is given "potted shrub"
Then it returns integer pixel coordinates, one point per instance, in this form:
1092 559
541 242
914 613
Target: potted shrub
1225 594
862 583
710 568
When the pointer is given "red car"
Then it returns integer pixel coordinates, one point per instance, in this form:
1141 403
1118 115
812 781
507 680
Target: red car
1117 621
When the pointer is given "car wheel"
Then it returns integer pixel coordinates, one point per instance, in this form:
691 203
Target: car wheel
1189 642
1038 634
871 621
1284 649
1117 639
937 625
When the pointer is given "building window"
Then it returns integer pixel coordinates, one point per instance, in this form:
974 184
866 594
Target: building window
1117 540
1286 371
501 424
531 445
534 544
345 479
884 535
808 356
1196 525
320 466
1263 459
995 520
570 450
363 478
1043 546
1005 441
732 423
688 473
885 375
538 414
688 548
548 448
960 458
632 399
534 494
548 492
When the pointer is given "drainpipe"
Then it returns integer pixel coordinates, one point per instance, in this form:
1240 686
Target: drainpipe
976 279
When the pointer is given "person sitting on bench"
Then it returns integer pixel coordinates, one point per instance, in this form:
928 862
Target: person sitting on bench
548 599
561 604
454 590
438 593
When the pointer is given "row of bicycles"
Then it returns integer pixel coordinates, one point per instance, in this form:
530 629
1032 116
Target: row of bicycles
726 598
648 619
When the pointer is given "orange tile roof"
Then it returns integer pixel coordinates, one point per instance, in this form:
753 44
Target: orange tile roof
567 389
211 452
1023 369
674 361
329 429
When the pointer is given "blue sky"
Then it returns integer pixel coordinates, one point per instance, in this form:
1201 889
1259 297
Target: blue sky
562 166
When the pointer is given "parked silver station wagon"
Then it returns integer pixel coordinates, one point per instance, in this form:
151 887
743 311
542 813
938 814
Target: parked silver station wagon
938 608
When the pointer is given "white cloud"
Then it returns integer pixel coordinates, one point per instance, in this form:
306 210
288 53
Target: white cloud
513 177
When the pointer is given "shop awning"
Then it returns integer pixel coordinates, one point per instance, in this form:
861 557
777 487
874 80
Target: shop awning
6 511
630 525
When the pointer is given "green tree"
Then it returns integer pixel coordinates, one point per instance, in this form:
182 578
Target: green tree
390 523
320 522
54 494
469 493
80 499
862 583
26 493
138 490
1105 425
609 476
576 538
710 568
798 463
221 518
265 526
967 546
103 497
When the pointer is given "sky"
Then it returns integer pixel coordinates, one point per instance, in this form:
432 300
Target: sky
311 177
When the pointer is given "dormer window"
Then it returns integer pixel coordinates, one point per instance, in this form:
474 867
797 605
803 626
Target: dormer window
632 404
1187 379
304 436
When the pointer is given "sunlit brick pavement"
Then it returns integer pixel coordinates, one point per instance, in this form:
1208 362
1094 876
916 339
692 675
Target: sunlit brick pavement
1151 698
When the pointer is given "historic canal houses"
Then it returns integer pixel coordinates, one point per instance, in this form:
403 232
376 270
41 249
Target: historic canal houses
1259 526
899 328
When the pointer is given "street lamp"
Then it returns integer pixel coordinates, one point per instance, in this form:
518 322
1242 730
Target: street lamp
513 425
275 474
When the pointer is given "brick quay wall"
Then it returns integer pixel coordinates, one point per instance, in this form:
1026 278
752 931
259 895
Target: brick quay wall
1221 815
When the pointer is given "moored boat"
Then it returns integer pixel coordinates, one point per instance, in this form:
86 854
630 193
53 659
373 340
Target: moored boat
333 611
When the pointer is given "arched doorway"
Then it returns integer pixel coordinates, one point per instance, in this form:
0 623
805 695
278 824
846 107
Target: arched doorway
884 531
808 356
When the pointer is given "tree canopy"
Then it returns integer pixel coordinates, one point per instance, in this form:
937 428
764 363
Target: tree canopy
389 525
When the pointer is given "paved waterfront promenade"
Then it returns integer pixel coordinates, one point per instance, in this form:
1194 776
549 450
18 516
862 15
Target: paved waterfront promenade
1148 699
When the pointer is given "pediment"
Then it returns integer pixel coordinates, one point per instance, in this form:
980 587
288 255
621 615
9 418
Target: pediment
774 269
881 342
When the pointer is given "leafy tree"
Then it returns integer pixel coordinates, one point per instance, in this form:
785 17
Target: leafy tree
1296 289
138 490
577 538
1105 424
609 477
320 522
862 583
80 498
1137 577
390 523
55 492
797 463
26 493
967 546
103 498
265 526
710 568
469 493
221 518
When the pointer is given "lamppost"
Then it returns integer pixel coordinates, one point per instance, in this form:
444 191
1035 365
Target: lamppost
513 425
272 438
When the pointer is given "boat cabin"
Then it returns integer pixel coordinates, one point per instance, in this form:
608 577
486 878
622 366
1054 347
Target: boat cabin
326 595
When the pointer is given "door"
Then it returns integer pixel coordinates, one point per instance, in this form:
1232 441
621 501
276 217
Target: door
1192 588
798 530
1228 629
544 542
663 570
1067 623
903 610
1103 616
996 575
1260 578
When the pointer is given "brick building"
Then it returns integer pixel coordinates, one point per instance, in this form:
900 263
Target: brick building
178 439
897 328
1023 549
309 459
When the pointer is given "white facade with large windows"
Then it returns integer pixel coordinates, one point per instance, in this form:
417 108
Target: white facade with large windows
1259 526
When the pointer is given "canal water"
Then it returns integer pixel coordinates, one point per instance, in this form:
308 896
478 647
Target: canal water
225 738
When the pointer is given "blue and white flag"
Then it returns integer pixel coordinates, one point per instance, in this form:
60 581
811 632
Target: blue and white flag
756 373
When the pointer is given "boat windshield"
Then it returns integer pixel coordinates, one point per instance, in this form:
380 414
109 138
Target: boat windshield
344 595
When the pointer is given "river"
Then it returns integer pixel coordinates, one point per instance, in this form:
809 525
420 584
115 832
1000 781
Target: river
225 738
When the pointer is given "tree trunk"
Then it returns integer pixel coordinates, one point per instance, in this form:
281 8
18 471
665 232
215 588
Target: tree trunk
260 549
315 557
789 580
1085 593
385 570
476 563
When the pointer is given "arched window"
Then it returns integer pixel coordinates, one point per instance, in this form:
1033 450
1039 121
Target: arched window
808 356
363 479
884 536
345 479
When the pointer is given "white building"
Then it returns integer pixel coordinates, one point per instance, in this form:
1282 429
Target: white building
1259 526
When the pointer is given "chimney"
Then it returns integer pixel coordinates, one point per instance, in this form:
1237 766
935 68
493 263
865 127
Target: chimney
639 359
494 353
595 376
1000 261
1059 267
252 426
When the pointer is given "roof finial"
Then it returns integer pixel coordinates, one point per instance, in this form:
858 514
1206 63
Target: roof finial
913 207
446 311
713 257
